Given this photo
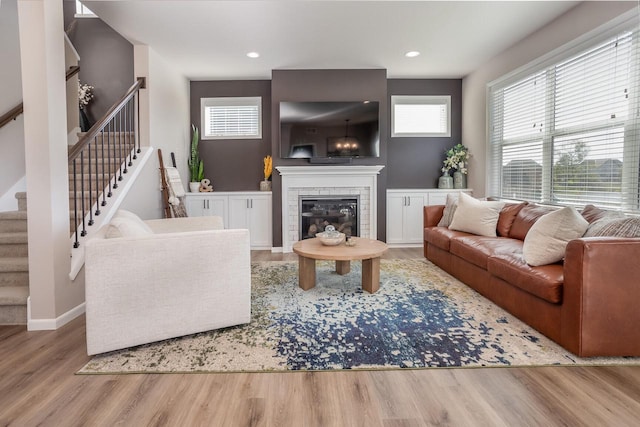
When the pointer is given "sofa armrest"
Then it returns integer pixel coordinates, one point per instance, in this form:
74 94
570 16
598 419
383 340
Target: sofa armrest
177 225
600 313
432 215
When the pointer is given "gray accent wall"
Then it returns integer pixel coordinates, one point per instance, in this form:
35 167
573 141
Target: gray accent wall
234 164
106 59
328 85
417 162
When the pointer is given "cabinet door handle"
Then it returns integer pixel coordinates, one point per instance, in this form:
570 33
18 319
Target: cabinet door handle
204 204
208 204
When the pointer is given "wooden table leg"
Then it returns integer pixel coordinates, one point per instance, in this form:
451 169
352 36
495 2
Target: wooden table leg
306 272
343 267
371 275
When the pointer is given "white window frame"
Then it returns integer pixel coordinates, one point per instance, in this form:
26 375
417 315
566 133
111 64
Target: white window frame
630 201
83 11
231 101
438 100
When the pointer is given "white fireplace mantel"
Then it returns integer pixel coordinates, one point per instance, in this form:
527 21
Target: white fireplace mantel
318 180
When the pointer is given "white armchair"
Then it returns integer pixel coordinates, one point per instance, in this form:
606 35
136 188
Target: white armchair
181 276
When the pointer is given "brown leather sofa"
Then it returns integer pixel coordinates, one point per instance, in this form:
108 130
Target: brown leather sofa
589 303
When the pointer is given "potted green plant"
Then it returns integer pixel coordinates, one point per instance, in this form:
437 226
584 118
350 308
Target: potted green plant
196 167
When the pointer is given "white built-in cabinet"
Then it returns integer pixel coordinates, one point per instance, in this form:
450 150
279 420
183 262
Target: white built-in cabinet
405 210
239 209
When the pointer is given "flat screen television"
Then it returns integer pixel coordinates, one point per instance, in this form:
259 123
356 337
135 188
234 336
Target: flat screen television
329 129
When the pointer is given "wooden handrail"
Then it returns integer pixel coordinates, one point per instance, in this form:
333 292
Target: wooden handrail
12 114
19 109
100 124
72 71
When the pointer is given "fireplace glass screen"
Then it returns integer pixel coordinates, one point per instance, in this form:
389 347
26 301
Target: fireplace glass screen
318 212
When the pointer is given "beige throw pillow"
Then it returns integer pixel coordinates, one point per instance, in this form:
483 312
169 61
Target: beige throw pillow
546 241
476 216
449 209
127 224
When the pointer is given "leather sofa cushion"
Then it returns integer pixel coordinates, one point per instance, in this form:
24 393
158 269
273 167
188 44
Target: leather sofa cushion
525 219
441 236
507 216
478 249
593 213
545 281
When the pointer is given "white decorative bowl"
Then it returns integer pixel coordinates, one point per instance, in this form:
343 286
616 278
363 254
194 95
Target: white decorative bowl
330 239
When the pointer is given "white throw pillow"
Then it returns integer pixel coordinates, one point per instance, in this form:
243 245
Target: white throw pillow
127 224
546 241
476 216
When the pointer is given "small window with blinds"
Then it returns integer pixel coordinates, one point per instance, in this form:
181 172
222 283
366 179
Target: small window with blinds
231 118
420 116
568 134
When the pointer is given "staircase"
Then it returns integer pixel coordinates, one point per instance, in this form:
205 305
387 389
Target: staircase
14 264
99 160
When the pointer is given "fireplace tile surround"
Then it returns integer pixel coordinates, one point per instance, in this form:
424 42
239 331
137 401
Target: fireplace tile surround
327 181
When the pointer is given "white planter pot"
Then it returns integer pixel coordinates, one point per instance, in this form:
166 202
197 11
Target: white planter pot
194 187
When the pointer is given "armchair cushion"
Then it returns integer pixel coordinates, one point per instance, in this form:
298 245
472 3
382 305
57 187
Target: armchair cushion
126 224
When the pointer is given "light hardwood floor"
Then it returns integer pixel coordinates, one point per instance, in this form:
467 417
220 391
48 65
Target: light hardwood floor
38 386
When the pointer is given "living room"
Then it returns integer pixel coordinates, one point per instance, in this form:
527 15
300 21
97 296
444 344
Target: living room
237 166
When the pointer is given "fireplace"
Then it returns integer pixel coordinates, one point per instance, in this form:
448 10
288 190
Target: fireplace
316 212
356 181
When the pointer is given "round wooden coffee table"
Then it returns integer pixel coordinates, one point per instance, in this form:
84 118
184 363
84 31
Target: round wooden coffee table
367 250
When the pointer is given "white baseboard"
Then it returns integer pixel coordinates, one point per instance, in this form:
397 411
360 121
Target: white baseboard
405 245
276 250
52 324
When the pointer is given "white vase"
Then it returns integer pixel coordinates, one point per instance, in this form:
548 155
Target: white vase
194 187
265 185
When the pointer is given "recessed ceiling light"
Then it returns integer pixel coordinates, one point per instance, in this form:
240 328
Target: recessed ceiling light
412 54
253 55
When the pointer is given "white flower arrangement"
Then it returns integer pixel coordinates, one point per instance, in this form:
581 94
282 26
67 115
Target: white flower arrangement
84 94
457 158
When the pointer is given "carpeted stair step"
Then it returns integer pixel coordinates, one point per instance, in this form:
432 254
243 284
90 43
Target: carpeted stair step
13 305
13 244
13 221
22 200
14 271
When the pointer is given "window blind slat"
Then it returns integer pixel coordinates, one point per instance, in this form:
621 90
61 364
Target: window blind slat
584 112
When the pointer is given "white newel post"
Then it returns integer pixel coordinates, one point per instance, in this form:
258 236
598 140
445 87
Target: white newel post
45 128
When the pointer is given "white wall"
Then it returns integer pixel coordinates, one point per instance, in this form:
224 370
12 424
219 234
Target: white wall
166 104
12 166
576 22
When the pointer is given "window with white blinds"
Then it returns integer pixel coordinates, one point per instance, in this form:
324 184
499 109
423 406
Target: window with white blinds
568 134
232 118
420 116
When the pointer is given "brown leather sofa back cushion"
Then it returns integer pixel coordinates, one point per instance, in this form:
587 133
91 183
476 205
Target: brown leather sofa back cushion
593 213
507 216
527 216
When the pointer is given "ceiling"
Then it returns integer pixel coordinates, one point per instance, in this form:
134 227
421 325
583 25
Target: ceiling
209 40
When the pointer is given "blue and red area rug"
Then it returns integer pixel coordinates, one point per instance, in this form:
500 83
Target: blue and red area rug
421 317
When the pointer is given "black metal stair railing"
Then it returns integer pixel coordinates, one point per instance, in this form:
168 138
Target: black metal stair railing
101 158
